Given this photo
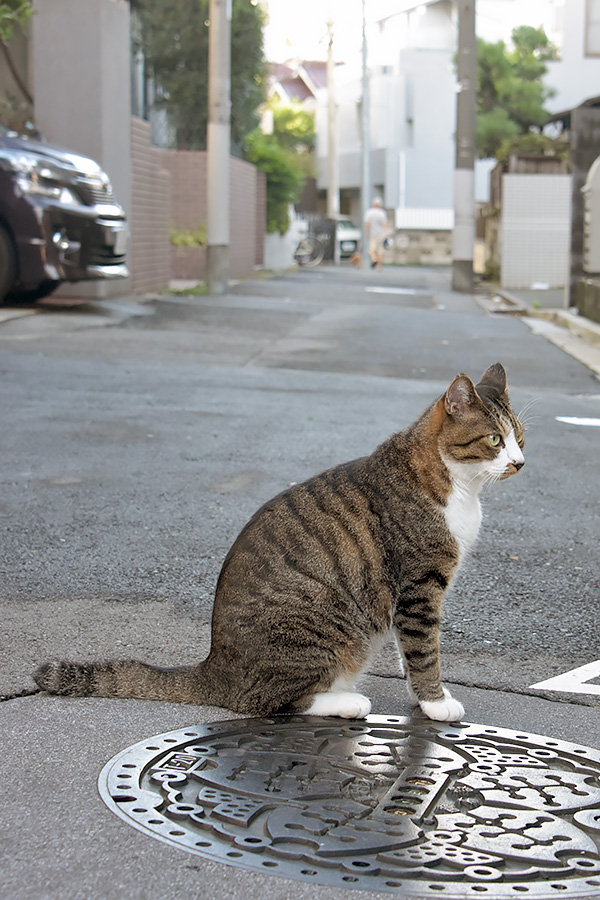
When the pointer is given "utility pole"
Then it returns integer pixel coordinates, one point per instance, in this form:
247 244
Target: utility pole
333 190
464 172
365 143
218 141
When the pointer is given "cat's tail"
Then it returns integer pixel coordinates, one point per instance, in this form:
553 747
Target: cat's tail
128 679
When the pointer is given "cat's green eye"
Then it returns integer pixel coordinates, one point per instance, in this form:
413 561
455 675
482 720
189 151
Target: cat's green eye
494 439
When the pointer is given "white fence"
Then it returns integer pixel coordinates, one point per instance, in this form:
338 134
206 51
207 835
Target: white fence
535 231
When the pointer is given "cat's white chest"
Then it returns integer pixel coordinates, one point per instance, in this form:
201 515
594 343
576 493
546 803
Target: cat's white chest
463 516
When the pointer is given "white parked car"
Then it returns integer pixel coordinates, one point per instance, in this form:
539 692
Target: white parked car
348 237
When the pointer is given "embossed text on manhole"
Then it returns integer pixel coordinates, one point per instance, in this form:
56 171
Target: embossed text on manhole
382 804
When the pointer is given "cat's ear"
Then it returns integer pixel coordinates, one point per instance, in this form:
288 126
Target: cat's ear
460 396
493 382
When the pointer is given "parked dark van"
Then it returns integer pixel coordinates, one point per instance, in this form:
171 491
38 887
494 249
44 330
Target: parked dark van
59 220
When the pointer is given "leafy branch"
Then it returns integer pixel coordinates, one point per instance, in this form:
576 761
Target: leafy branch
286 157
14 13
511 93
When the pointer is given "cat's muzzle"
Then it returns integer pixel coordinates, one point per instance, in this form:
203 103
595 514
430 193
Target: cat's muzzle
512 469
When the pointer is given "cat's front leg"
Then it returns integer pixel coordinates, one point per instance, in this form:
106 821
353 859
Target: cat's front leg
346 704
447 710
417 630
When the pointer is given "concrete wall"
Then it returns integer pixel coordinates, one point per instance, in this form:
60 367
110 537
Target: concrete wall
535 230
150 247
585 141
426 248
80 78
80 59
588 298
279 248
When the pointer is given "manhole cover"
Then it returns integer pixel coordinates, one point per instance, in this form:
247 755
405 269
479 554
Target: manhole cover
384 804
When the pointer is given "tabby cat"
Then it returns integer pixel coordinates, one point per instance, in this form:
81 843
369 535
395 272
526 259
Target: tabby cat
323 573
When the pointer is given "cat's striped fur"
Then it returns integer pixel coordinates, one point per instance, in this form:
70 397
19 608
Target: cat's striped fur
322 573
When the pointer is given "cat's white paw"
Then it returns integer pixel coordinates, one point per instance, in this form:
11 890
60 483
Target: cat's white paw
446 710
346 704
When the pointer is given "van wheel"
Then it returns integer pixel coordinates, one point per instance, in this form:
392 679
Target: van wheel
8 267
43 289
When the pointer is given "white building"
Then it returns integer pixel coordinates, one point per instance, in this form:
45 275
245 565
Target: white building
413 97
412 114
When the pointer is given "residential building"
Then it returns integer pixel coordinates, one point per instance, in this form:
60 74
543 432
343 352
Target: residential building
412 115
412 46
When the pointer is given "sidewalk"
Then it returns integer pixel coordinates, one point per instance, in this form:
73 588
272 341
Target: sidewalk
545 313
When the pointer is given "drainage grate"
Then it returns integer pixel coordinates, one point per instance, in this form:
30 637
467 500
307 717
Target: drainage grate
384 804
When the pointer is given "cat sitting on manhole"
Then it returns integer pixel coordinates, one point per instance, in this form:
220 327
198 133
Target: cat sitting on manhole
322 574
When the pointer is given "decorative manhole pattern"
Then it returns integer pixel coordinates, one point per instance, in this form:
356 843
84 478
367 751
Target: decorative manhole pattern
383 804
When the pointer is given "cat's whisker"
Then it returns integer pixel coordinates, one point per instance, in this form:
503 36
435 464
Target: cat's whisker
529 405
523 416
526 421
491 478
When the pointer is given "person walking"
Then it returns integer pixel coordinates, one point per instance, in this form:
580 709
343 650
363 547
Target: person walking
376 231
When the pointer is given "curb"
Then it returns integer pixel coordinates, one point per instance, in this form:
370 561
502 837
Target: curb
7 313
579 325
572 333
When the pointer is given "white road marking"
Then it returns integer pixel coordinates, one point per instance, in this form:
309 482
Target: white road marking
573 682
390 290
573 420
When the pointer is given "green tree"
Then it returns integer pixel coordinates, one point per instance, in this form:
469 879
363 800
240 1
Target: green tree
174 40
294 126
284 177
511 95
285 156
14 14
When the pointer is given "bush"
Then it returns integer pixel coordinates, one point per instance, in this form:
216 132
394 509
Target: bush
284 178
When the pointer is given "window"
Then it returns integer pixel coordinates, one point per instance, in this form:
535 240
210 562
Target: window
592 28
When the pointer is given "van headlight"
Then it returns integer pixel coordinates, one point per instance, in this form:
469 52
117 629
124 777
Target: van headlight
40 179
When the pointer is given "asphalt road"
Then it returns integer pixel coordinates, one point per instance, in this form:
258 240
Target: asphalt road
138 438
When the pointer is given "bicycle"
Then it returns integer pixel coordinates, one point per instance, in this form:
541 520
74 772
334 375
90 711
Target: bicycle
309 252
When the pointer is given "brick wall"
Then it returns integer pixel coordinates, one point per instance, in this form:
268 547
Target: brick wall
149 256
187 210
261 217
187 169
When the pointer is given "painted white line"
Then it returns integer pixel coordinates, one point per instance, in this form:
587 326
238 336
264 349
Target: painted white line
573 420
573 682
390 290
